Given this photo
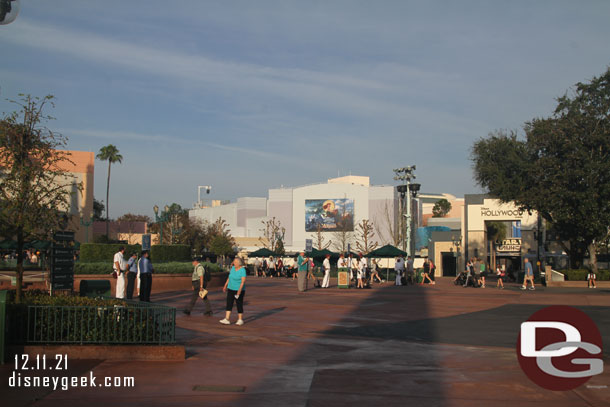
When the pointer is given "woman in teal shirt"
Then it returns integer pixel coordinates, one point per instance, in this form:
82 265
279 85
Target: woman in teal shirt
235 287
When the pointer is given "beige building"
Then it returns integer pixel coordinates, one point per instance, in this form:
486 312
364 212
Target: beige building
81 203
450 249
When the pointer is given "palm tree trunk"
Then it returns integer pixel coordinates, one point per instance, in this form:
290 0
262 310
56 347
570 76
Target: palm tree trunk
107 203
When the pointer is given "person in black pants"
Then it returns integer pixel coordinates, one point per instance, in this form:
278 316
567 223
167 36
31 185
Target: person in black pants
132 267
146 270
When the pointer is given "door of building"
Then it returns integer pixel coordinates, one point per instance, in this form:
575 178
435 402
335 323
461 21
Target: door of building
449 262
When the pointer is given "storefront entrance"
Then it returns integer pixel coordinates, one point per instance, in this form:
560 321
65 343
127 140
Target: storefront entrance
449 263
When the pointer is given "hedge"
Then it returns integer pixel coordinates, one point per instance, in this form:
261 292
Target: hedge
166 252
581 275
160 268
98 252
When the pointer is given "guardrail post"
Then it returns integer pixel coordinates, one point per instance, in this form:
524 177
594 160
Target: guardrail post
3 296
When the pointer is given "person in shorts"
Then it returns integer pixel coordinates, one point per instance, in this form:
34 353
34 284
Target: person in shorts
591 280
500 274
529 275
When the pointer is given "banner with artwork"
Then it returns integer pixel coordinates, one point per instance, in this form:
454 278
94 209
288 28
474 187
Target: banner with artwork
330 214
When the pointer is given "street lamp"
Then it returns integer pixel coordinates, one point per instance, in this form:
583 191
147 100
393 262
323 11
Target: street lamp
405 174
160 219
414 188
457 242
86 224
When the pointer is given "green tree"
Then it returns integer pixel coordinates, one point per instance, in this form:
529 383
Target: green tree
365 232
441 208
111 154
222 246
35 190
561 169
496 231
98 210
273 233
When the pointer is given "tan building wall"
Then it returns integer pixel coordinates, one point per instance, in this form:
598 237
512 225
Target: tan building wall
439 248
81 204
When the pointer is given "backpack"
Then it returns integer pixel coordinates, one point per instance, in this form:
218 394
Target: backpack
207 276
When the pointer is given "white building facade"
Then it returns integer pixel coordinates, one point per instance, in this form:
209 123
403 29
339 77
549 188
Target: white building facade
339 204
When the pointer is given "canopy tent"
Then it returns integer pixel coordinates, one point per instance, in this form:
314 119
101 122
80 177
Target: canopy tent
262 252
386 252
8 244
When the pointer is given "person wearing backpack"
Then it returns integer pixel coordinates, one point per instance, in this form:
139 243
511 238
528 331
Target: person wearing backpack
200 279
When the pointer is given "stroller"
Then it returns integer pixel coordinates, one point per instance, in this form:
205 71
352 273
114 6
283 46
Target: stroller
460 279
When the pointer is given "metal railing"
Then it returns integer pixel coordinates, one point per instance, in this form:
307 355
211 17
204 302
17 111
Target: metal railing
132 323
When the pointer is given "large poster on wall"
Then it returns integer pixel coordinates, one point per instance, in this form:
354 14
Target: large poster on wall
330 214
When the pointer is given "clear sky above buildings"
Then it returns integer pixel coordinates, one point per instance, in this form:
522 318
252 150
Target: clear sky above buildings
248 95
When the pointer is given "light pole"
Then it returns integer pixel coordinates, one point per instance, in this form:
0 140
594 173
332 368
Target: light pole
86 224
402 190
457 242
160 219
414 188
207 188
405 174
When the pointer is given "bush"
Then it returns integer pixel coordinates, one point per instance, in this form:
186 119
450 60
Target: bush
160 268
98 252
166 252
581 275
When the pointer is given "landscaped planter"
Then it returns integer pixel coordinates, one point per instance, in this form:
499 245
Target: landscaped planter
160 282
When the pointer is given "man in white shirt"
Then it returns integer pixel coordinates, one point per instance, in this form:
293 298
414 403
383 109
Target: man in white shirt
119 266
341 263
326 266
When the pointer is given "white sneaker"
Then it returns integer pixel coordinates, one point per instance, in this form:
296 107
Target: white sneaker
225 321
523 287
239 322
532 288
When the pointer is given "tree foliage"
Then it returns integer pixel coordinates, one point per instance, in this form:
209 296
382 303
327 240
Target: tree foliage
319 241
98 210
561 169
273 234
441 208
365 233
35 188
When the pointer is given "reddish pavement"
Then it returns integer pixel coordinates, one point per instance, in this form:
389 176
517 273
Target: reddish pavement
436 345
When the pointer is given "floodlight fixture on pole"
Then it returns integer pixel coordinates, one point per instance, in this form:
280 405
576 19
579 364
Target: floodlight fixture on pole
207 188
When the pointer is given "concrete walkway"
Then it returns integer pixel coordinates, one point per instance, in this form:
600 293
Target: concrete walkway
436 345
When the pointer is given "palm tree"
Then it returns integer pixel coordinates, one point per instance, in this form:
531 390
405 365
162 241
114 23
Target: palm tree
111 154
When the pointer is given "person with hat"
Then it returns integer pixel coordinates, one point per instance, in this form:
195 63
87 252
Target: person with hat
199 279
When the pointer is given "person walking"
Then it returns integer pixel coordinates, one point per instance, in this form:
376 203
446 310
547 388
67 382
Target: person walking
591 279
326 267
426 273
199 279
132 267
235 287
146 270
500 274
257 265
302 263
375 272
119 266
529 275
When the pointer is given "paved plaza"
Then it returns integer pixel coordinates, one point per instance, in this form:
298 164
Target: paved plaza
439 345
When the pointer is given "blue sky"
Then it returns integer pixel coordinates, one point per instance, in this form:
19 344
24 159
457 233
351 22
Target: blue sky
249 95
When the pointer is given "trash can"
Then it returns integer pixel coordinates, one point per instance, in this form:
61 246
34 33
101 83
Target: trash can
94 288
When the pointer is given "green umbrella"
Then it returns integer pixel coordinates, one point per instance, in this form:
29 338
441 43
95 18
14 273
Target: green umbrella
263 252
38 245
386 251
8 244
